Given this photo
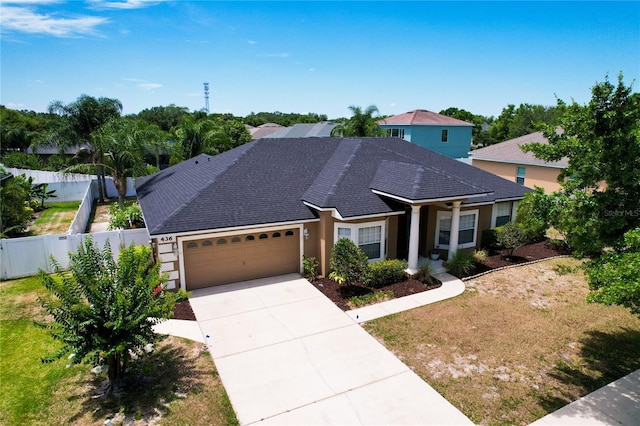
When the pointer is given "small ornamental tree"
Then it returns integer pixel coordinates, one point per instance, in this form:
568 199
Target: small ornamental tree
511 236
103 311
349 264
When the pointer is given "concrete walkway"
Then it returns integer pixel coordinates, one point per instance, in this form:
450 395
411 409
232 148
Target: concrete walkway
287 355
618 403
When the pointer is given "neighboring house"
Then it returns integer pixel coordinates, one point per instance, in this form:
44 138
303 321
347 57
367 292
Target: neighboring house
264 130
256 210
305 130
442 134
508 161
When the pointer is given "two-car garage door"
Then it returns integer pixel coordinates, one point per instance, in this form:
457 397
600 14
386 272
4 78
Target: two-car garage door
222 260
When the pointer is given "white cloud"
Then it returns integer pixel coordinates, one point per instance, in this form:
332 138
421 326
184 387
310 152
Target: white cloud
144 84
251 41
125 4
312 69
26 20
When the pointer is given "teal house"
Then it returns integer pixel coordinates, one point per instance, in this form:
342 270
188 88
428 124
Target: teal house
445 135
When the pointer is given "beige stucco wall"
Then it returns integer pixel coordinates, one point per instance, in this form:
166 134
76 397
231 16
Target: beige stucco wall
544 177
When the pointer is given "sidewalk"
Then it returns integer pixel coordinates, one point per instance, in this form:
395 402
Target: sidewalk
618 403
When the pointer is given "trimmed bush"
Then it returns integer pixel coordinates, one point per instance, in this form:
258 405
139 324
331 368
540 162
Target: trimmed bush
511 236
310 268
349 264
461 264
489 238
386 272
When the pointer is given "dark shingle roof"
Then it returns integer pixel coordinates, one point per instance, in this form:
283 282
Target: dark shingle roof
269 181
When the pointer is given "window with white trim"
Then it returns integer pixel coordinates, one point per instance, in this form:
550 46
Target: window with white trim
369 236
502 213
395 133
466 233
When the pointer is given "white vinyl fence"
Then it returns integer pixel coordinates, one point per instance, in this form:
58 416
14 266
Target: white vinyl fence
21 257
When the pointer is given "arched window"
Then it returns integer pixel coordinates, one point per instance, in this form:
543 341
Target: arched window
276 235
236 239
263 236
288 234
192 244
250 238
221 241
207 243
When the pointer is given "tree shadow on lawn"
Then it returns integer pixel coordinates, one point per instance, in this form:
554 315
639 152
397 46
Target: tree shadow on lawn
171 372
606 357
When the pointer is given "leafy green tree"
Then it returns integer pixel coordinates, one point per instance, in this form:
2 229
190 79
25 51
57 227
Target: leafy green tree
464 115
614 278
15 212
361 124
535 213
20 160
104 311
283 119
81 120
17 130
526 118
166 118
600 196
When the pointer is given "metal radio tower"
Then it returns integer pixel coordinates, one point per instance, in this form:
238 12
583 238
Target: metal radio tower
206 97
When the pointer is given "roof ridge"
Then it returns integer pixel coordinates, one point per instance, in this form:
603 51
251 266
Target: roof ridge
417 179
436 170
208 182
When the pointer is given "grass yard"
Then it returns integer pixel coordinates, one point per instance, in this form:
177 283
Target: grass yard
176 385
56 219
518 344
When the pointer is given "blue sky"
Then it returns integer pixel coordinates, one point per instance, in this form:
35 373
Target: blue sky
314 56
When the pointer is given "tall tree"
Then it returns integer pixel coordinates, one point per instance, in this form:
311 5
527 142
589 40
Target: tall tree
165 118
82 118
600 197
361 124
104 311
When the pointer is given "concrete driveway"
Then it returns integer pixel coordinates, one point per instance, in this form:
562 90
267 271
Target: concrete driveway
287 355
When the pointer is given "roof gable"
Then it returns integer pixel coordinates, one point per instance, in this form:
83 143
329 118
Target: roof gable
510 151
424 118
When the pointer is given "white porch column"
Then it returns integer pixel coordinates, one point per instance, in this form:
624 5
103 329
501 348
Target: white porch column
414 240
455 229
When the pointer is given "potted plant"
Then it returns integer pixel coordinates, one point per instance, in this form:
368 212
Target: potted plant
434 255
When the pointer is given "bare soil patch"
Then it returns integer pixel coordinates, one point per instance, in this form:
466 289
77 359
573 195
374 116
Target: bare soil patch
518 344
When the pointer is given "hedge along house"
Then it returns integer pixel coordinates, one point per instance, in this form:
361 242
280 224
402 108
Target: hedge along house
445 135
256 210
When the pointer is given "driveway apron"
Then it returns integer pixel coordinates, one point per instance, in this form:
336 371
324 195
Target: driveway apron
287 355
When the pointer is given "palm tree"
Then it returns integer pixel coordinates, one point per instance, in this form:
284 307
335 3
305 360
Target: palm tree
82 119
361 124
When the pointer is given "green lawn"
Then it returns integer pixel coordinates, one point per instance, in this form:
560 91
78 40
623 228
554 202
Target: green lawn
55 219
177 384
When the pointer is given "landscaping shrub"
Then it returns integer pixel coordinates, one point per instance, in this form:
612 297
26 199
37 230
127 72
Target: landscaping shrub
425 274
460 264
385 272
349 264
127 216
511 236
489 238
480 255
20 160
310 268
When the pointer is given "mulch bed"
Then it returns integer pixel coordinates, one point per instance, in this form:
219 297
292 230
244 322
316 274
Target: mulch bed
340 294
536 251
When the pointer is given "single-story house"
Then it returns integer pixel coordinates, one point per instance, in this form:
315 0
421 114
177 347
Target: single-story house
256 210
446 135
508 161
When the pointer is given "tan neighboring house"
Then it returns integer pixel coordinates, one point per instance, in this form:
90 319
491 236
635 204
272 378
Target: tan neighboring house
508 161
